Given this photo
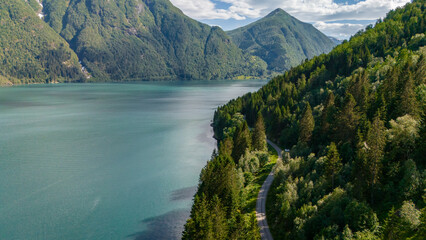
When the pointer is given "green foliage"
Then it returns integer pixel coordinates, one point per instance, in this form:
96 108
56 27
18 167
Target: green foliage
367 97
402 135
31 51
208 218
402 223
146 40
374 152
251 162
118 40
259 135
361 217
333 163
281 40
307 125
242 141
235 182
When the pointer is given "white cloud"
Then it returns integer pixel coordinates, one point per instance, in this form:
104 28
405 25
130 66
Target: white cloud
314 11
339 30
305 10
205 9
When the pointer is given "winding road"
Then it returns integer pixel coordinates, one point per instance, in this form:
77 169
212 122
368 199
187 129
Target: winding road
261 200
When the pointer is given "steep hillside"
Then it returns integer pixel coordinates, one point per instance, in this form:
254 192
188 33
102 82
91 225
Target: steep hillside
30 50
354 120
146 39
281 40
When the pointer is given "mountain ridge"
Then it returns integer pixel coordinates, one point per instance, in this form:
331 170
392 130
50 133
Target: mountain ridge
127 40
281 40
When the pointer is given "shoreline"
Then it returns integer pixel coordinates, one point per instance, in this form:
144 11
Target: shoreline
11 84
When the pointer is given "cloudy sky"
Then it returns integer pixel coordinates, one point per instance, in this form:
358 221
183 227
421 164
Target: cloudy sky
337 18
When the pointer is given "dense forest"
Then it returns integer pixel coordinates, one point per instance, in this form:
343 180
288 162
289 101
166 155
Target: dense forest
124 40
146 40
30 51
225 202
354 120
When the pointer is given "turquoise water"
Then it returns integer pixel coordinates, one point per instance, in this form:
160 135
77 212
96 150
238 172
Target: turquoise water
105 161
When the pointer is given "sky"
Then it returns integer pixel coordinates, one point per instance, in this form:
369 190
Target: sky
337 18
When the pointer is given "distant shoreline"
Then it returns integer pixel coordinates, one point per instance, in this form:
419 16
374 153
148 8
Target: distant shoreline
9 83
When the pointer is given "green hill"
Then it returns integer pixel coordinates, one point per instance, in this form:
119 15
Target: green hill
149 40
30 50
281 40
354 121
122 40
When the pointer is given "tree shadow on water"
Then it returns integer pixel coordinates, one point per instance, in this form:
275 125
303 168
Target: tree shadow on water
183 193
168 226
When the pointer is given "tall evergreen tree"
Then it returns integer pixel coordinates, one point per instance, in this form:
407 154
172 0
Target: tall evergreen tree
226 146
408 103
307 125
242 141
333 163
374 147
347 122
219 223
259 135
199 224
327 116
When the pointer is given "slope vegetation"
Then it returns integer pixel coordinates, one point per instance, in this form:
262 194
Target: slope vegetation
146 39
30 50
281 40
354 120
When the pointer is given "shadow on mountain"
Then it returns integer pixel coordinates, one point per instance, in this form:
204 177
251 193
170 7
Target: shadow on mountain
183 194
168 226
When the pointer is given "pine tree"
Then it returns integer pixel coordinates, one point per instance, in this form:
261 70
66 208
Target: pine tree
374 147
328 115
259 136
219 223
198 226
333 163
358 87
225 147
347 120
307 125
242 141
408 101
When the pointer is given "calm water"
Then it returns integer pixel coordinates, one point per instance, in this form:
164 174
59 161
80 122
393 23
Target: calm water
104 161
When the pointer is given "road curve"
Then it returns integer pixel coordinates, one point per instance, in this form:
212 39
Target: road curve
261 200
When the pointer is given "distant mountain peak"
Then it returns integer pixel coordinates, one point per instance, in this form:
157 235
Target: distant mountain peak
277 12
281 40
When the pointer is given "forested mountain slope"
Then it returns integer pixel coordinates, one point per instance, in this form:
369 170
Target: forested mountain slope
281 40
146 39
30 51
354 120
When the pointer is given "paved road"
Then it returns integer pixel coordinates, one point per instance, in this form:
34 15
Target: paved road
261 201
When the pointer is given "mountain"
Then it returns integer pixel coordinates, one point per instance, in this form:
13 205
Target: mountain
30 50
103 40
335 40
122 40
355 123
146 39
281 40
